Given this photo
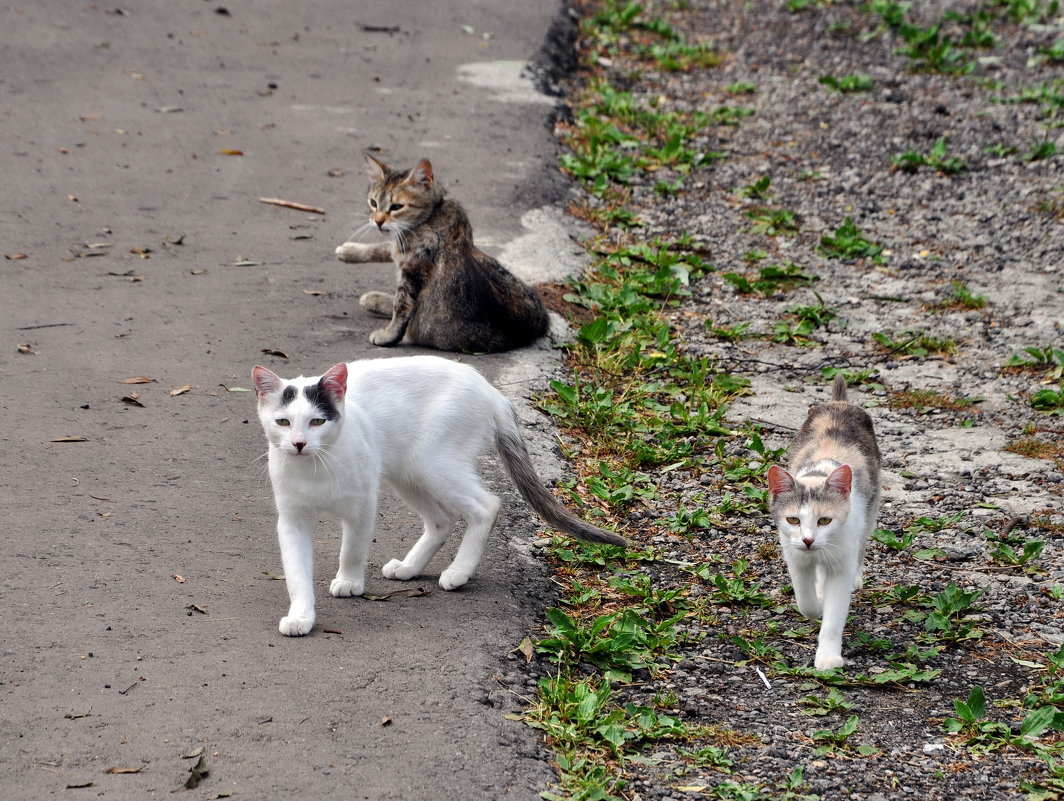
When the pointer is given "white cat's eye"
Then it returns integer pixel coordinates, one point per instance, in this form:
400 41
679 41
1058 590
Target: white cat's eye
794 521
823 521
395 207
318 421
281 421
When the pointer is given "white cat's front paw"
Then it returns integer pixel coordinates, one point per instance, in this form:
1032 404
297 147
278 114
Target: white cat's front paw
811 610
296 625
345 588
827 661
352 252
451 579
396 569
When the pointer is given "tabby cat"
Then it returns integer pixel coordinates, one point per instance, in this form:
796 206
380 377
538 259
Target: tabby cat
451 295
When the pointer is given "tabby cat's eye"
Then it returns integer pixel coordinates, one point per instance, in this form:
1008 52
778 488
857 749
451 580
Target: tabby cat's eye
794 521
372 203
318 421
395 207
281 421
823 521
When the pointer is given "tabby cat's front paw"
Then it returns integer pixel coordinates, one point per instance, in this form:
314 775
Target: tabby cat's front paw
353 252
345 588
296 625
383 338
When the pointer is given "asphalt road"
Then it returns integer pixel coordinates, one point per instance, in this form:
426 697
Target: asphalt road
138 562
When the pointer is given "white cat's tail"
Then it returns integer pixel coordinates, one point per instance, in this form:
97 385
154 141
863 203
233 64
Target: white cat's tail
514 454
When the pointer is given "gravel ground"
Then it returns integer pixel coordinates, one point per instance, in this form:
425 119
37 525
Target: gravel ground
997 227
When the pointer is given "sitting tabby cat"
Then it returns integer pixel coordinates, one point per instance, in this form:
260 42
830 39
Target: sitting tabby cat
825 508
451 295
418 424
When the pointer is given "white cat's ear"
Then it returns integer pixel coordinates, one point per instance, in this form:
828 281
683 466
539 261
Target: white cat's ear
334 382
375 169
421 174
840 480
266 381
779 481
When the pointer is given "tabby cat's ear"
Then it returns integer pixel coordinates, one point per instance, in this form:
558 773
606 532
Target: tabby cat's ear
375 169
421 174
334 382
266 381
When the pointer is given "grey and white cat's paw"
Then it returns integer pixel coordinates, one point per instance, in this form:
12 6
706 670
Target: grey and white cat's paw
345 588
296 625
452 578
398 570
354 252
384 338
828 660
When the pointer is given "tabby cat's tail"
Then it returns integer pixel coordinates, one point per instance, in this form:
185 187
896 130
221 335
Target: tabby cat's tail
838 388
514 453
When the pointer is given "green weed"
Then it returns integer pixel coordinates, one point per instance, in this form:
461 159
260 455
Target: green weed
848 83
911 161
849 243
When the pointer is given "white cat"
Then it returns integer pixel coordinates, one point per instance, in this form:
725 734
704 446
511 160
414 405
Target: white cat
418 423
825 509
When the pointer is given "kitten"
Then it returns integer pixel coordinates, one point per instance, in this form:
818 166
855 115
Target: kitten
451 295
825 508
416 423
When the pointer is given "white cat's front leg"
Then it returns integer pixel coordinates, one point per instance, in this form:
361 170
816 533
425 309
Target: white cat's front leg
297 556
357 534
837 593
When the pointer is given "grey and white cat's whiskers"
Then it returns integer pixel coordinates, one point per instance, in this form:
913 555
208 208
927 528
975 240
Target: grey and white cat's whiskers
418 424
825 508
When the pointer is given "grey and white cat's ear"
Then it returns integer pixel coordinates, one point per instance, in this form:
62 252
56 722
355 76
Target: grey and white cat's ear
266 381
780 481
334 382
421 174
840 480
376 170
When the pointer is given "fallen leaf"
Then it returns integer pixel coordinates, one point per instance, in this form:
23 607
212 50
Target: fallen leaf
242 262
198 272
316 292
196 608
97 245
101 498
132 400
180 390
413 593
76 715
169 109
386 721
123 770
335 173
80 786
195 752
225 151
333 631
513 716
74 438
15 256
235 389
143 252
272 352
527 649
25 350
177 578
272 576
140 379
91 117
197 772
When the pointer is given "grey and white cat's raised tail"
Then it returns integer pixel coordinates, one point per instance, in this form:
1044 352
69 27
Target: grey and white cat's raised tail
515 459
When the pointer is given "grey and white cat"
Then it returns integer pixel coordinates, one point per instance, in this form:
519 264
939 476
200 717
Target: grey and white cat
418 424
825 507
451 295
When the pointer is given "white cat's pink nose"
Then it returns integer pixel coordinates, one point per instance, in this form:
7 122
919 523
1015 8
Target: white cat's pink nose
808 541
299 446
